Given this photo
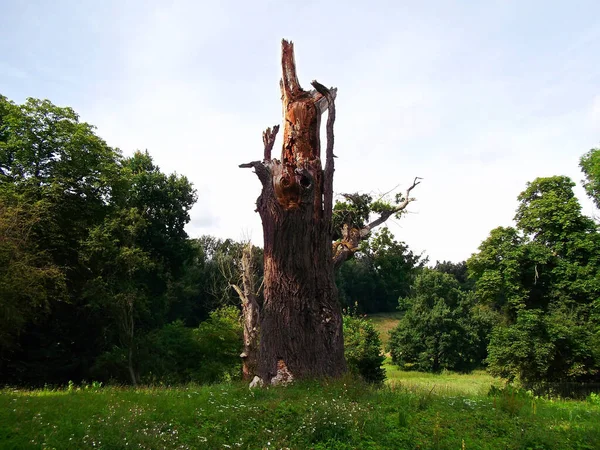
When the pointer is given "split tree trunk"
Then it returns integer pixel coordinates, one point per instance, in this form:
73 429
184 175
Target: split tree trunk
301 320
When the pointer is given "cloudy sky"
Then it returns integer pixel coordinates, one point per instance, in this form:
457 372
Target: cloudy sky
475 97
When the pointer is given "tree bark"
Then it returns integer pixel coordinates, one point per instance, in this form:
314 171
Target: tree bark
250 315
301 321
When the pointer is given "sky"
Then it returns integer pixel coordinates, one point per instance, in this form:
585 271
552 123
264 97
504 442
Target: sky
477 98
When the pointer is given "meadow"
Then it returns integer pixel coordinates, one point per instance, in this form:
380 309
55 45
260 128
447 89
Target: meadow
384 323
412 410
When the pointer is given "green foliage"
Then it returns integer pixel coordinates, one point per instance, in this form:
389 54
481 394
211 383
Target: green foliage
551 346
498 270
440 328
362 347
590 166
543 279
208 354
550 213
384 271
61 173
28 278
175 354
220 339
355 210
457 270
105 250
522 350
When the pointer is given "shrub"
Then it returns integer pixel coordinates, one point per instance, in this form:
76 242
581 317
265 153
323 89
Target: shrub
363 349
220 342
544 346
177 354
171 355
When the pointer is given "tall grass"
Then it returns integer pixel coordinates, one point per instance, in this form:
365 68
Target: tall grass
341 414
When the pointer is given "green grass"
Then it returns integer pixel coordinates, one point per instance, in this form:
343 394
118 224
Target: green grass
384 323
344 414
446 383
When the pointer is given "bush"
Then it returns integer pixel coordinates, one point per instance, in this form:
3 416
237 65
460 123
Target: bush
544 346
220 341
171 355
176 354
363 349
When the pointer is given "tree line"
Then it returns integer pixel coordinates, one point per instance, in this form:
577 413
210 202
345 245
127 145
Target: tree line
99 280
526 305
94 257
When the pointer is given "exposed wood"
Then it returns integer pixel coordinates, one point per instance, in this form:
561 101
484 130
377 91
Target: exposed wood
329 162
320 99
300 323
250 315
269 136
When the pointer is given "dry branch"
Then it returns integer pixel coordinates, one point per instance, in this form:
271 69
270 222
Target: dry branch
351 237
387 214
329 163
269 136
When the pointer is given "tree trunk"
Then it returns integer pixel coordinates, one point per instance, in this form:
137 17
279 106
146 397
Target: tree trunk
301 321
250 315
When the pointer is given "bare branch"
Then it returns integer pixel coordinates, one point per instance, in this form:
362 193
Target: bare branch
386 193
320 100
261 170
269 136
387 214
329 164
237 289
351 237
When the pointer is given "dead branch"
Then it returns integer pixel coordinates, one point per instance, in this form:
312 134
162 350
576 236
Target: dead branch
351 237
329 164
320 100
261 170
269 136
250 313
387 214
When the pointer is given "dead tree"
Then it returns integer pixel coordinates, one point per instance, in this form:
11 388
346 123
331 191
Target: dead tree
250 315
301 320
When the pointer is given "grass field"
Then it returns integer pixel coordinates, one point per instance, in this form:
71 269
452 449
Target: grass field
384 323
446 383
413 410
345 414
